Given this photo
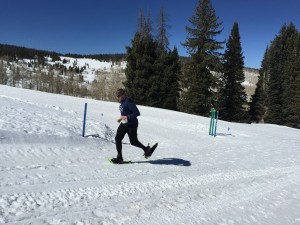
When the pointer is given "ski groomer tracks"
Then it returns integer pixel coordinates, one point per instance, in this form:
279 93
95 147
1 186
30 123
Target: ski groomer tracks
207 195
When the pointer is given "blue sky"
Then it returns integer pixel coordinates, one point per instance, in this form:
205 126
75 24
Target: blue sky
108 26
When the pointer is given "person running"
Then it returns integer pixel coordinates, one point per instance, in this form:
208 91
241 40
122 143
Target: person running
128 125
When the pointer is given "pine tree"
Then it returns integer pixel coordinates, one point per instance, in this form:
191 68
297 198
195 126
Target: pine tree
258 104
2 74
142 83
197 80
144 25
162 35
291 93
170 80
167 66
152 69
276 87
232 99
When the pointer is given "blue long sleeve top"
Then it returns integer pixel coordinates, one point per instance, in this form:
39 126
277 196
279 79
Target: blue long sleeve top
128 108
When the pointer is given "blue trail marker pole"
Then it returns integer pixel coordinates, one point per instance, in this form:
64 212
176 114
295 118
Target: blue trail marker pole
213 122
84 119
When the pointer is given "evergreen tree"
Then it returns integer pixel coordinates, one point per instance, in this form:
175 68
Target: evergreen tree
141 79
152 69
144 25
162 36
291 93
232 99
170 85
2 73
197 80
276 88
258 104
167 66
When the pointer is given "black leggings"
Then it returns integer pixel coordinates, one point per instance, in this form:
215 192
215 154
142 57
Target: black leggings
131 130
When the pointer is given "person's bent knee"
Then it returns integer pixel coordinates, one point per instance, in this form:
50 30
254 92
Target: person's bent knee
133 142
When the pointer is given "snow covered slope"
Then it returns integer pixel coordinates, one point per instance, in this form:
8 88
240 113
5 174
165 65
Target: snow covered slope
51 175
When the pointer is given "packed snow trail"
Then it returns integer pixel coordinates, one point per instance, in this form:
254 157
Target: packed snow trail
51 175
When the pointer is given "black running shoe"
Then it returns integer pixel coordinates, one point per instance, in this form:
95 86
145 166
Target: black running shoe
149 151
118 160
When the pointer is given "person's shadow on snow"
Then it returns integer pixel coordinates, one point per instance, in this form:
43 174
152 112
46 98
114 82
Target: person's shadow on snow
167 161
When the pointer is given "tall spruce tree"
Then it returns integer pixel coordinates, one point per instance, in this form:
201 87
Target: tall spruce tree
142 81
167 66
144 25
159 87
291 93
162 31
2 72
170 85
152 69
232 98
197 81
258 103
140 73
278 65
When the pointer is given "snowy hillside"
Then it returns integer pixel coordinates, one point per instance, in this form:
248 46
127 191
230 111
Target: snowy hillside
49 174
90 66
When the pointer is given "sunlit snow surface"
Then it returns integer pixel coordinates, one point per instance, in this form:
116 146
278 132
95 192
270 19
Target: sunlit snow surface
50 174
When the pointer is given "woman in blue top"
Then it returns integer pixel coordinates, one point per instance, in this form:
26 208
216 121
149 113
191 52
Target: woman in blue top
128 125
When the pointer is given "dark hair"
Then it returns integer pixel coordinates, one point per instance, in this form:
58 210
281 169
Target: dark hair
120 92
